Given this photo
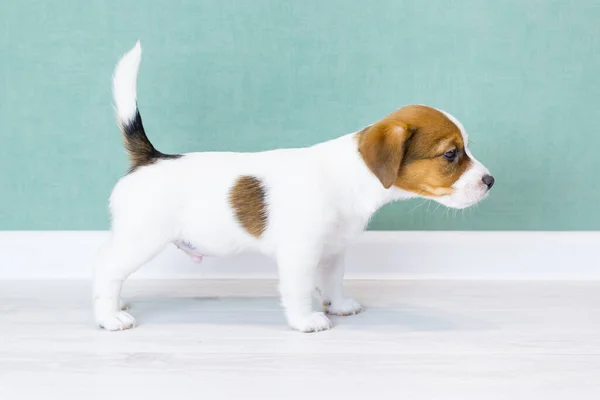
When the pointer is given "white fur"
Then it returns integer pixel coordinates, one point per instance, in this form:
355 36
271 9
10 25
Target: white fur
468 189
319 198
125 84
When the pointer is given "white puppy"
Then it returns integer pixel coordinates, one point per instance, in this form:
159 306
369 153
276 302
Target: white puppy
299 206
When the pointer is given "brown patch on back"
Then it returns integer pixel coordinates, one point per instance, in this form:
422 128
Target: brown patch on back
418 136
248 201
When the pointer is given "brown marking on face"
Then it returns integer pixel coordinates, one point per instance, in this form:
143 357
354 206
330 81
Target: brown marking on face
248 201
443 146
406 149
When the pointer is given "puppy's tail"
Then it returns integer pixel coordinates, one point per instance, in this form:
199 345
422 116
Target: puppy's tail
141 152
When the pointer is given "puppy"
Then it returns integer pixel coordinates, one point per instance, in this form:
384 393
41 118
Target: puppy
299 206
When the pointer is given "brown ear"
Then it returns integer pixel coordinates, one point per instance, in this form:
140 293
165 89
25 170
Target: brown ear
382 148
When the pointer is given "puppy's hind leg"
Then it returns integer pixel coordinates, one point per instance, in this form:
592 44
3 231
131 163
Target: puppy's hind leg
123 255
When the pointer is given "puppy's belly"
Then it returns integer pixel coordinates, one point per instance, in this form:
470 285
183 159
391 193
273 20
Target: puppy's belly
191 250
217 246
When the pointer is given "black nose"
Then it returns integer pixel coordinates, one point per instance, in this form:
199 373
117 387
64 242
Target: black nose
488 180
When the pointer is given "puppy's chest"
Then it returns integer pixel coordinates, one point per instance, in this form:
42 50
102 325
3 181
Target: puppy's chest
342 233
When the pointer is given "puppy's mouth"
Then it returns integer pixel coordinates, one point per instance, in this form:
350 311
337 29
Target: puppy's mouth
435 192
450 201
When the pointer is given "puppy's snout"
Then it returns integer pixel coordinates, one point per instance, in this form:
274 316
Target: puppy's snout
488 181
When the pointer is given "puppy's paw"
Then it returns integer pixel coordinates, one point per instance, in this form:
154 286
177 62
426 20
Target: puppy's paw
116 321
124 306
313 322
344 307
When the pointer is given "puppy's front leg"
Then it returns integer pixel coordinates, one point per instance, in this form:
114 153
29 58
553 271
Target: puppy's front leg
297 272
330 276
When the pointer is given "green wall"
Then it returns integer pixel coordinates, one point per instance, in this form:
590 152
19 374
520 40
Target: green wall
523 76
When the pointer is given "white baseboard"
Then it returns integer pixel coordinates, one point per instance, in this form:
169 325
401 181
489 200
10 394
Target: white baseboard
377 255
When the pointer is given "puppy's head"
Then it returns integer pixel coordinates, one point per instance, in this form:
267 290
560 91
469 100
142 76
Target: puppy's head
425 151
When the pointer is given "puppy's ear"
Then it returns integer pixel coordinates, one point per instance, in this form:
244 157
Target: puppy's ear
382 147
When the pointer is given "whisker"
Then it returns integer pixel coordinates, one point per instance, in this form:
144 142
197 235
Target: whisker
446 212
423 202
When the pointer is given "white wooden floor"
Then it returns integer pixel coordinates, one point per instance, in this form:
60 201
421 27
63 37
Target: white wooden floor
227 340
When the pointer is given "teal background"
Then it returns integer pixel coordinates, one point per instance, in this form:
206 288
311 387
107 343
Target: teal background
523 76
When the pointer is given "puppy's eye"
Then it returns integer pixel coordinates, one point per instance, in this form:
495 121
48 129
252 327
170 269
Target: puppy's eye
451 155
